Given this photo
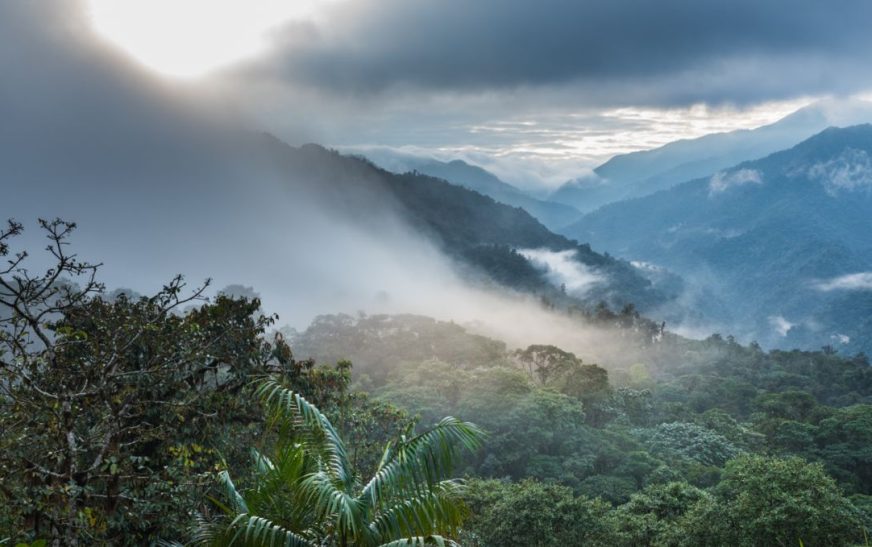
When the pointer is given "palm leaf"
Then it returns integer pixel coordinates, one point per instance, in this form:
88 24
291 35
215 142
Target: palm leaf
437 511
419 541
415 465
237 502
331 502
252 531
277 489
303 415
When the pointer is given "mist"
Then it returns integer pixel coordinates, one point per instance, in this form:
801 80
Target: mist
161 184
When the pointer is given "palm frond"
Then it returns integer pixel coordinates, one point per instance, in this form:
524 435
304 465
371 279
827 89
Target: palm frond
334 503
252 531
237 502
262 463
306 416
419 541
204 531
414 465
276 492
437 511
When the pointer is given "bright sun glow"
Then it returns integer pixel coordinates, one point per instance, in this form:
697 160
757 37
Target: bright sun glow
191 37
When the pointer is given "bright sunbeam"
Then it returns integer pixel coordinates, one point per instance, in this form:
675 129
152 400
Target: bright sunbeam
191 37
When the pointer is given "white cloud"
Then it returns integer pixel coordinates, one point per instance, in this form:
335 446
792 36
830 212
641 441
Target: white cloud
562 268
841 338
852 282
781 325
849 171
647 266
722 181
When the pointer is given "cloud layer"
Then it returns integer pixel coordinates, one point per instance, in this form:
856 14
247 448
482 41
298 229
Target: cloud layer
616 51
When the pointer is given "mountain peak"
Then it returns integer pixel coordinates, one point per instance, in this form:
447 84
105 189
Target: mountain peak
642 173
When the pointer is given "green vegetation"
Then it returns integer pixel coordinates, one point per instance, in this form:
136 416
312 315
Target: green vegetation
133 420
307 493
672 433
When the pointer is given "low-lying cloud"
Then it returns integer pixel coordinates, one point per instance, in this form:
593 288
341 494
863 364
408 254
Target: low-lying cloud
780 325
723 181
852 282
850 171
562 269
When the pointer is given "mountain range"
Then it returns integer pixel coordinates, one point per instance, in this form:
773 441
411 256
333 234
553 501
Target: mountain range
641 173
486 237
783 243
775 248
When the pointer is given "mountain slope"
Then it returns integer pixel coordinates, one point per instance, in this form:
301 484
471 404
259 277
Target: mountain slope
474 229
770 235
641 173
552 214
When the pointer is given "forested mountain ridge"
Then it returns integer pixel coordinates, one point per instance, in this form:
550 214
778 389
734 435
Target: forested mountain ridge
552 214
782 240
470 227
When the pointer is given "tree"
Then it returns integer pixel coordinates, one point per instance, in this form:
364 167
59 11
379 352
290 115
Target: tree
774 501
690 441
653 516
590 385
543 362
615 490
106 406
305 492
845 439
533 514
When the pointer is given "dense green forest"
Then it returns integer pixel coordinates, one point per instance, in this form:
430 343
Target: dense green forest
170 418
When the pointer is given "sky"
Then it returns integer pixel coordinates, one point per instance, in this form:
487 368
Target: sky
126 115
539 92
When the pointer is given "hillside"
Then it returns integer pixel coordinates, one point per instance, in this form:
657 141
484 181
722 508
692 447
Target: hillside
777 238
551 214
474 229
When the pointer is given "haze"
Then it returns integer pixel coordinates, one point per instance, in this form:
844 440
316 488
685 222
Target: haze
99 127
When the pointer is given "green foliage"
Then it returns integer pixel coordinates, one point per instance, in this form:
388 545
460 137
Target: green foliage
774 501
382 343
659 444
119 411
689 441
615 490
307 493
655 515
531 513
108 406
844 442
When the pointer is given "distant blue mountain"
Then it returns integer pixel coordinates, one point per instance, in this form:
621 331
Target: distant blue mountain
642 173
553 215
783 244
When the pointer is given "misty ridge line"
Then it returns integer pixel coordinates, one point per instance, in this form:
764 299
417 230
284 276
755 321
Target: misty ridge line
159 161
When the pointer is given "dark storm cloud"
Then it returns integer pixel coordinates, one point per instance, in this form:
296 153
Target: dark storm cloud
679 50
